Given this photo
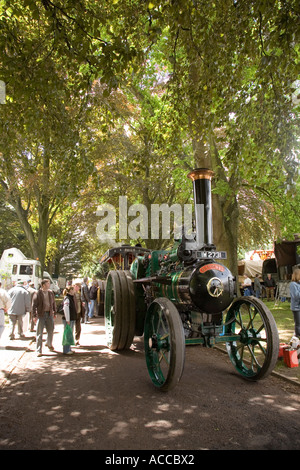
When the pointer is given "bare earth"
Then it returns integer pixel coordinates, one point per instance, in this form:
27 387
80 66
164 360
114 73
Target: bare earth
98 399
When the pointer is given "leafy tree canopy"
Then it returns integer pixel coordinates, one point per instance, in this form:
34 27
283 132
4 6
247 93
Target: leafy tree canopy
100 94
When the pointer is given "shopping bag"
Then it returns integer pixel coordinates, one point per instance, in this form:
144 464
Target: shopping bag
68 339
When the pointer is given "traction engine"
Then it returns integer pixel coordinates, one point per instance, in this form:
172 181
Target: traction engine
188 296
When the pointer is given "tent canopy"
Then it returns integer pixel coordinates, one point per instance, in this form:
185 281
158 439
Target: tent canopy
250 267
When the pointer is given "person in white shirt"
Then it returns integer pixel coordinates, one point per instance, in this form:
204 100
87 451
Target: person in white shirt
5 303
247 286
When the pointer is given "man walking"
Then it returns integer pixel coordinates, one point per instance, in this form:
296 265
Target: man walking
20 304
44 309
5 303
85 298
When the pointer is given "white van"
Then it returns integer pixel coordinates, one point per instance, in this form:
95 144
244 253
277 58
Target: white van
14 266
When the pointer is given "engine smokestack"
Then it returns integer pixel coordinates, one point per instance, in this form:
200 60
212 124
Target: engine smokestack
201 178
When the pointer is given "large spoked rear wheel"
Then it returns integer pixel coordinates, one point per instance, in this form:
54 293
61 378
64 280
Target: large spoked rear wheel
164 344
119 310
255 354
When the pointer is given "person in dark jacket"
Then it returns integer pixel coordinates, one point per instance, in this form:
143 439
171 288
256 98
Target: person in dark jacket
43 312
70 314
93 298
85 298
79 311
270 285
257 286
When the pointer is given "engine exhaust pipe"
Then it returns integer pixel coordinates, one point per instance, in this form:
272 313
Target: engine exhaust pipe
201 178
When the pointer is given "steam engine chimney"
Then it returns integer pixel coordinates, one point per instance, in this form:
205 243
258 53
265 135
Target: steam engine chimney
201 178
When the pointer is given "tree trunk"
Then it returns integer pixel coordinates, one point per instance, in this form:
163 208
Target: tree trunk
38 247
43 233
225 222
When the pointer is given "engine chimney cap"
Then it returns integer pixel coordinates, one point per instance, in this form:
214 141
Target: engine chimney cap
201 174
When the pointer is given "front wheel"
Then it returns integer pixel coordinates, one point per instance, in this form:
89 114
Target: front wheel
164 344
255 353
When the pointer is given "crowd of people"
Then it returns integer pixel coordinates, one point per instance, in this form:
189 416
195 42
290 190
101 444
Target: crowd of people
78 307
269 285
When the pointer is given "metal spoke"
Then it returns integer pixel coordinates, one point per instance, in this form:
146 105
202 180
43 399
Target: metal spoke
253 356
164 357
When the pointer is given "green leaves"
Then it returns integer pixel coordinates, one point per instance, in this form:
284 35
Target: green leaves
137 89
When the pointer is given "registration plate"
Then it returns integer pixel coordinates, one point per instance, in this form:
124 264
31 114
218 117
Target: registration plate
211 255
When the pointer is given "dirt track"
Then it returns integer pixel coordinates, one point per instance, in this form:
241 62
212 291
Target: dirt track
97 399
